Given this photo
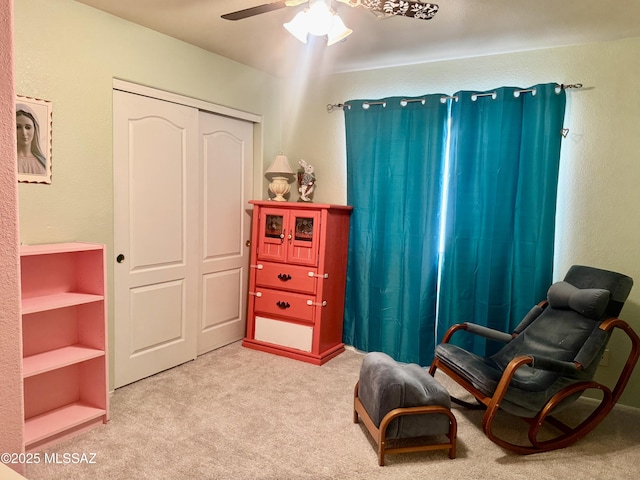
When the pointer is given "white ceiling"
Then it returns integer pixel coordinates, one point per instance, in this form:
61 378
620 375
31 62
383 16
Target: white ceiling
461 28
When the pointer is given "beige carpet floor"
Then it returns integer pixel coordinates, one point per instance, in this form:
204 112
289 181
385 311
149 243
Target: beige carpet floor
236 413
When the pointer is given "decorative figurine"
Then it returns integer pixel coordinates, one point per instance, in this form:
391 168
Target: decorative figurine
307 181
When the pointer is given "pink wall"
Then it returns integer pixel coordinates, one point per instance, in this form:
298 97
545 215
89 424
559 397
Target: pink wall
11 410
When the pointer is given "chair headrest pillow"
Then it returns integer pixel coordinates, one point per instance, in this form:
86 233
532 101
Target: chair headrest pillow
590 302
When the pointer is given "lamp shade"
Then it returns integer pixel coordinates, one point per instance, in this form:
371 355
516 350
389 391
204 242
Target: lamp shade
319 18
298 27
280 167
338 31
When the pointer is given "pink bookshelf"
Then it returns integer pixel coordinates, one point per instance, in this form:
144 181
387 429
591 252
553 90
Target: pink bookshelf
64 335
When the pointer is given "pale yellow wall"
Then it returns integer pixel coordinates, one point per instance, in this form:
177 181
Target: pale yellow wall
69 54
598 221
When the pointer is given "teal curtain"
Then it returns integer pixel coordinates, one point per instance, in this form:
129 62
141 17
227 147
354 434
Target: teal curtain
395 160
500 212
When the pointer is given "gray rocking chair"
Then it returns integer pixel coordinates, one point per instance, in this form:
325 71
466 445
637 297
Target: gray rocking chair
549 361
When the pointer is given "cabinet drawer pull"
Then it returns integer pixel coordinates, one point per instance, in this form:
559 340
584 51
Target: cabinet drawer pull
285 277
320 275
258 266
311 303
257 294
283 305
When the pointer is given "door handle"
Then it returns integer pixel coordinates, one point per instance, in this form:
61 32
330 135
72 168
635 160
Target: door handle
282 305
284 277
120 258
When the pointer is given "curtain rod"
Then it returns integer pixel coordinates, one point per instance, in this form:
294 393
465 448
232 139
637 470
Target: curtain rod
335 106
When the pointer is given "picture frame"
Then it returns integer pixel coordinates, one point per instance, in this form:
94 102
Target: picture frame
34 128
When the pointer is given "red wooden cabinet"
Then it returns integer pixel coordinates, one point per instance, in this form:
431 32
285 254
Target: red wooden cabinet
297 280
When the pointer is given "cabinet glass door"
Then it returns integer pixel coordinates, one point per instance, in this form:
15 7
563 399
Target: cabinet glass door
304 228
272 233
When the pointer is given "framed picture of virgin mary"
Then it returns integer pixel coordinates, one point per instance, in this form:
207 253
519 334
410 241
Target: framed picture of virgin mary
33 132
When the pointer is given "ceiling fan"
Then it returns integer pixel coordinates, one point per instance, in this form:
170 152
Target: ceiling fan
419 10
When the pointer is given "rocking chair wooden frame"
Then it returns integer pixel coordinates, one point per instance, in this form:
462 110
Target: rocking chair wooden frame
568 434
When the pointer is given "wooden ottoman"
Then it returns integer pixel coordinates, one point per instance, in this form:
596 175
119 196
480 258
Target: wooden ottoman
400 401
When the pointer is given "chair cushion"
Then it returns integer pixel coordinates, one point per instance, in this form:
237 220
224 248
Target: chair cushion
590 302
482 372
589 277
530 387
386 384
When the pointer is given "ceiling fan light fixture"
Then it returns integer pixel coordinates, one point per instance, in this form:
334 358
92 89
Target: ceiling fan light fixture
318 20
338 31
298 27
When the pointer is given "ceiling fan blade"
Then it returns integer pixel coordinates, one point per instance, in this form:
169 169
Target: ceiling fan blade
252 11
419 10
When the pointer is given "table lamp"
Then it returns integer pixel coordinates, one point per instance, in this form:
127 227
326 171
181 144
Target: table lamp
279 174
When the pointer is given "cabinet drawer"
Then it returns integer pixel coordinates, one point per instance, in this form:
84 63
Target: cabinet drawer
284 304
286 277
284 333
